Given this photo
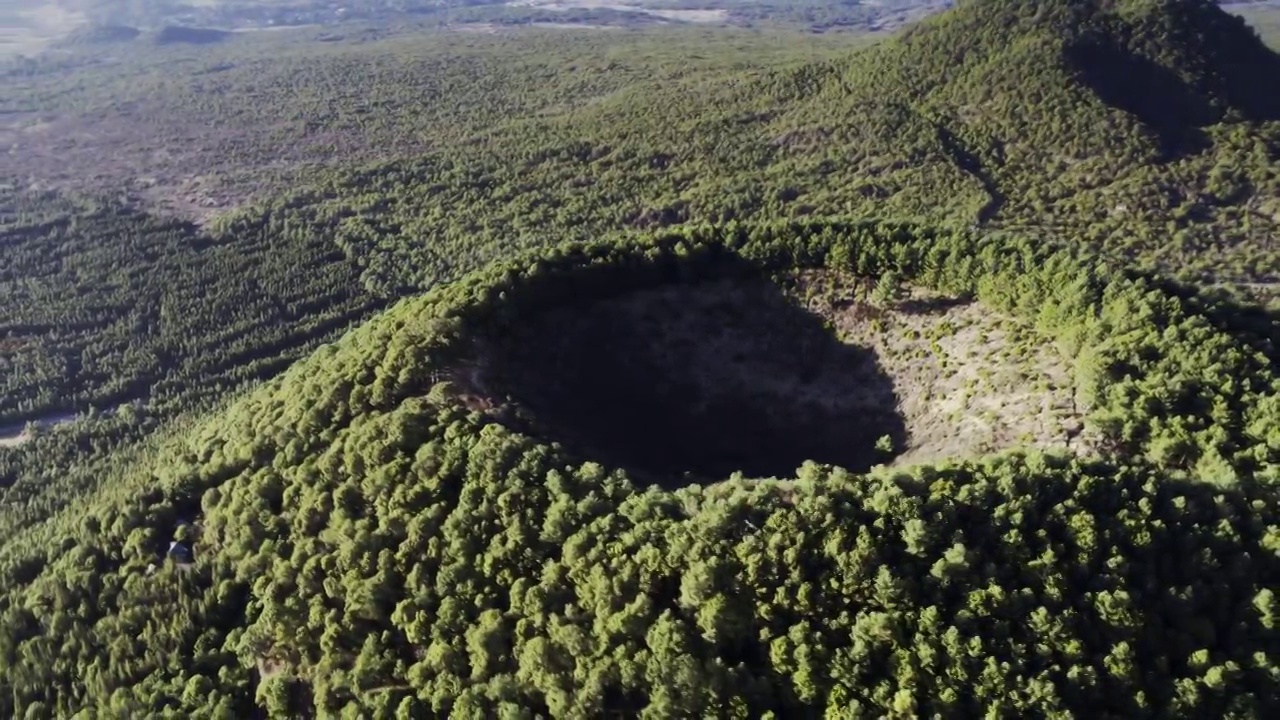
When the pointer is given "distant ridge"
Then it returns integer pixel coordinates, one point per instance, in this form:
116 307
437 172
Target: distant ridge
1062 116
173 34
101 35
1184 54
1183 62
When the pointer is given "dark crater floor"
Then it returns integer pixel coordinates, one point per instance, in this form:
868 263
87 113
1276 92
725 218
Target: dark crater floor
697 382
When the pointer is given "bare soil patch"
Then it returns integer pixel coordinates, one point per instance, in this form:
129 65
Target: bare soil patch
572 26
709 15
970 381
12 436
758 376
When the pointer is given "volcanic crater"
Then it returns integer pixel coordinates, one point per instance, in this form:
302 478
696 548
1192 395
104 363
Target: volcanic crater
692 382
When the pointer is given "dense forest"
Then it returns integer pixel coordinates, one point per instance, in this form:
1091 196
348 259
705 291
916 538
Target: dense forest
259 456
365 543
1168 164
639 140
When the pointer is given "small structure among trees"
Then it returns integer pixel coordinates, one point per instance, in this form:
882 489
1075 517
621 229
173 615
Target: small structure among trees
181 553
180 549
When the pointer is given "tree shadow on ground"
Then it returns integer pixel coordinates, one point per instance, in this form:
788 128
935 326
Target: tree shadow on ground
936 305
697 382
1152 93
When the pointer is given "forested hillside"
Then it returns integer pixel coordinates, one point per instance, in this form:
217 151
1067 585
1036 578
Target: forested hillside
996 113
367 542
113 301
301 413
950 123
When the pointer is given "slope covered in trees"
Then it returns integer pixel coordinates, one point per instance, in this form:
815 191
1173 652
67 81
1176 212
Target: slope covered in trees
989 114
107 305
176 315
365 542
996 112
369 538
